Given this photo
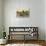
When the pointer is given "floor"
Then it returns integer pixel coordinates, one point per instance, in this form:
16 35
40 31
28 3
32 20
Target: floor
25 43
21 45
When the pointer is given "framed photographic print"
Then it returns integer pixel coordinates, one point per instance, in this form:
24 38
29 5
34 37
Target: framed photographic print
22 13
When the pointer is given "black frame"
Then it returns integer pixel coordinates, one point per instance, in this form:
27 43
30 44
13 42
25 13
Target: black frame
35 29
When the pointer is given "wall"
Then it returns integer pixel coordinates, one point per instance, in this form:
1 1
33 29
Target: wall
45 19
36 18
0 18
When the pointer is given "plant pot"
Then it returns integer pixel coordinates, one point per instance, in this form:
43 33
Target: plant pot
3 41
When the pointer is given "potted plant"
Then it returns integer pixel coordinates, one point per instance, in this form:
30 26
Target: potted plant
3 38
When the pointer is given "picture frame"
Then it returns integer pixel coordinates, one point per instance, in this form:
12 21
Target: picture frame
22 13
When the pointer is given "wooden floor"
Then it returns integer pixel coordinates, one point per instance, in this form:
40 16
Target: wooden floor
39 42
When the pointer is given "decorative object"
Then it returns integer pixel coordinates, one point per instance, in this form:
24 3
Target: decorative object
3 39
22 12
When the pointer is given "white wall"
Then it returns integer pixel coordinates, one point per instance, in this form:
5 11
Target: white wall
0 18
45 19
0 11
36 15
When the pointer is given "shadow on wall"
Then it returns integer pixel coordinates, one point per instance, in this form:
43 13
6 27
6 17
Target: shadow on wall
1 34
